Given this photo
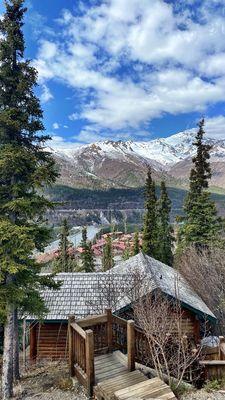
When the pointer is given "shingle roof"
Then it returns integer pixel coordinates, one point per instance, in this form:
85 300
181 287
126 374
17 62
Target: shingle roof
83 294
168 279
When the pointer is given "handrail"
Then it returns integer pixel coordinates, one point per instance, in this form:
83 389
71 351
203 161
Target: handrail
78 329
81 354
103 333
92 320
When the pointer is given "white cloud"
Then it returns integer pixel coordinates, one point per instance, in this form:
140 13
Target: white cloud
55 125
130 61
215 127
46 95
74 116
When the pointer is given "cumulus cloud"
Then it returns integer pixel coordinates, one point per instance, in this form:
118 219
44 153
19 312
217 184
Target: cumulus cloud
215 127
46 95
55 125
130 61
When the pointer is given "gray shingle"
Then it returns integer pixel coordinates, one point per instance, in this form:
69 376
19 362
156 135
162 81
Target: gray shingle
82 294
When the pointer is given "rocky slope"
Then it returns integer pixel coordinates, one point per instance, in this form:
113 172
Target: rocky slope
123 164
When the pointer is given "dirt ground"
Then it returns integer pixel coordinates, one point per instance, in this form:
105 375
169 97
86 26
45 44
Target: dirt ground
203 395
49 382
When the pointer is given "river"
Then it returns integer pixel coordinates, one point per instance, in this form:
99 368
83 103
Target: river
75 238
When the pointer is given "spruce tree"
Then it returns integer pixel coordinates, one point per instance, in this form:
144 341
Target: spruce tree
136 248
87 255
126 253
164 229
107 258
150 219
65 262
25 168
201 226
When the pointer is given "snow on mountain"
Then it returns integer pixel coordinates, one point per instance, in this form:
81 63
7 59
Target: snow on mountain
164 152
123 164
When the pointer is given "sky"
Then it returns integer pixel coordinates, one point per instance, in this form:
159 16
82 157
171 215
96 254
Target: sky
127 69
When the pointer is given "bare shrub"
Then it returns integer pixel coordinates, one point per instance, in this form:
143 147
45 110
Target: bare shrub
205 271
170 351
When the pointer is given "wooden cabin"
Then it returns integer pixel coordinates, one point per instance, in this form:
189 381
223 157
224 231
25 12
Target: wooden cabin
84 294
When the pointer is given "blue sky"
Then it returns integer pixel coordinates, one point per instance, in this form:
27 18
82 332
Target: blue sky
127 69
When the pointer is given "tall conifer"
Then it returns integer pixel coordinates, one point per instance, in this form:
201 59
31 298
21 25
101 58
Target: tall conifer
87 255
164 228
25 168
136 248
107 258
201 225
150 219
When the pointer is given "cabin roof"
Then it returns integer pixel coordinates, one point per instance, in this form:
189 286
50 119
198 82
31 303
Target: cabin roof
166 278
83 294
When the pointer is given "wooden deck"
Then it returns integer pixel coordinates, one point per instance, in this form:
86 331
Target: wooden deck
103 370
115 382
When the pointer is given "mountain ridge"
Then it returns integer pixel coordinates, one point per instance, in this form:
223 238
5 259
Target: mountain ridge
123 163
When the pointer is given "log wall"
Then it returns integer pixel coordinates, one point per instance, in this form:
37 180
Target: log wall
49 341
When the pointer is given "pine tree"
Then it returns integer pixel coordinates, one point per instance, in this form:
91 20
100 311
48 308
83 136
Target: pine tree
150 219
25 168
65 262
126 253
165 232
64 246
87 255
107 259
201 225
136 248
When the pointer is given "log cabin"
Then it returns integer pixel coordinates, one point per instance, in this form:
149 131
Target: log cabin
83 294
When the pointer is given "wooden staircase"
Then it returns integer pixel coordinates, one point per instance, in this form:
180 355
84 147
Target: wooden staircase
95 358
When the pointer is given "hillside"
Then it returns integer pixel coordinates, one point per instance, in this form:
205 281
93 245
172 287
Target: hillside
85 206
120 164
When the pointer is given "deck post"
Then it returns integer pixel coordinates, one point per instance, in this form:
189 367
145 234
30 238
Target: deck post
33 342
130 345
109 329
71 346
222 348
90 369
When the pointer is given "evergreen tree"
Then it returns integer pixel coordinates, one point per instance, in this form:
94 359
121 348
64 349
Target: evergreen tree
136 248
164 230
65 262
201 225
107 259
126 253
64 246
25 168
87 255
150 219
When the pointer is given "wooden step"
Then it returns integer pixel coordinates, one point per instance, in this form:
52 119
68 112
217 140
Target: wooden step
151 389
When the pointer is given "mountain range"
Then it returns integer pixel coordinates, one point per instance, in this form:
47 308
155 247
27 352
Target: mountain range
118 164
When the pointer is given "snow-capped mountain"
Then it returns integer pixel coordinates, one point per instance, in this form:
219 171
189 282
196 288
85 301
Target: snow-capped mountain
111 163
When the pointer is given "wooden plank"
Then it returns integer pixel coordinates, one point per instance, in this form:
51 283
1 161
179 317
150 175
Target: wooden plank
79 330
81 375
119 321
152 388
130 345
212 362
33 342
109 329
92 320
102 368
139 388
109 374
90 368
102 357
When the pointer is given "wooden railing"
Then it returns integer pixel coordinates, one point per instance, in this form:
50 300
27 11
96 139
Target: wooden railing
95 335
81 354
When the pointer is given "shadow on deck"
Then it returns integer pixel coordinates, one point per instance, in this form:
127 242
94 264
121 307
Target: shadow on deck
95 354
